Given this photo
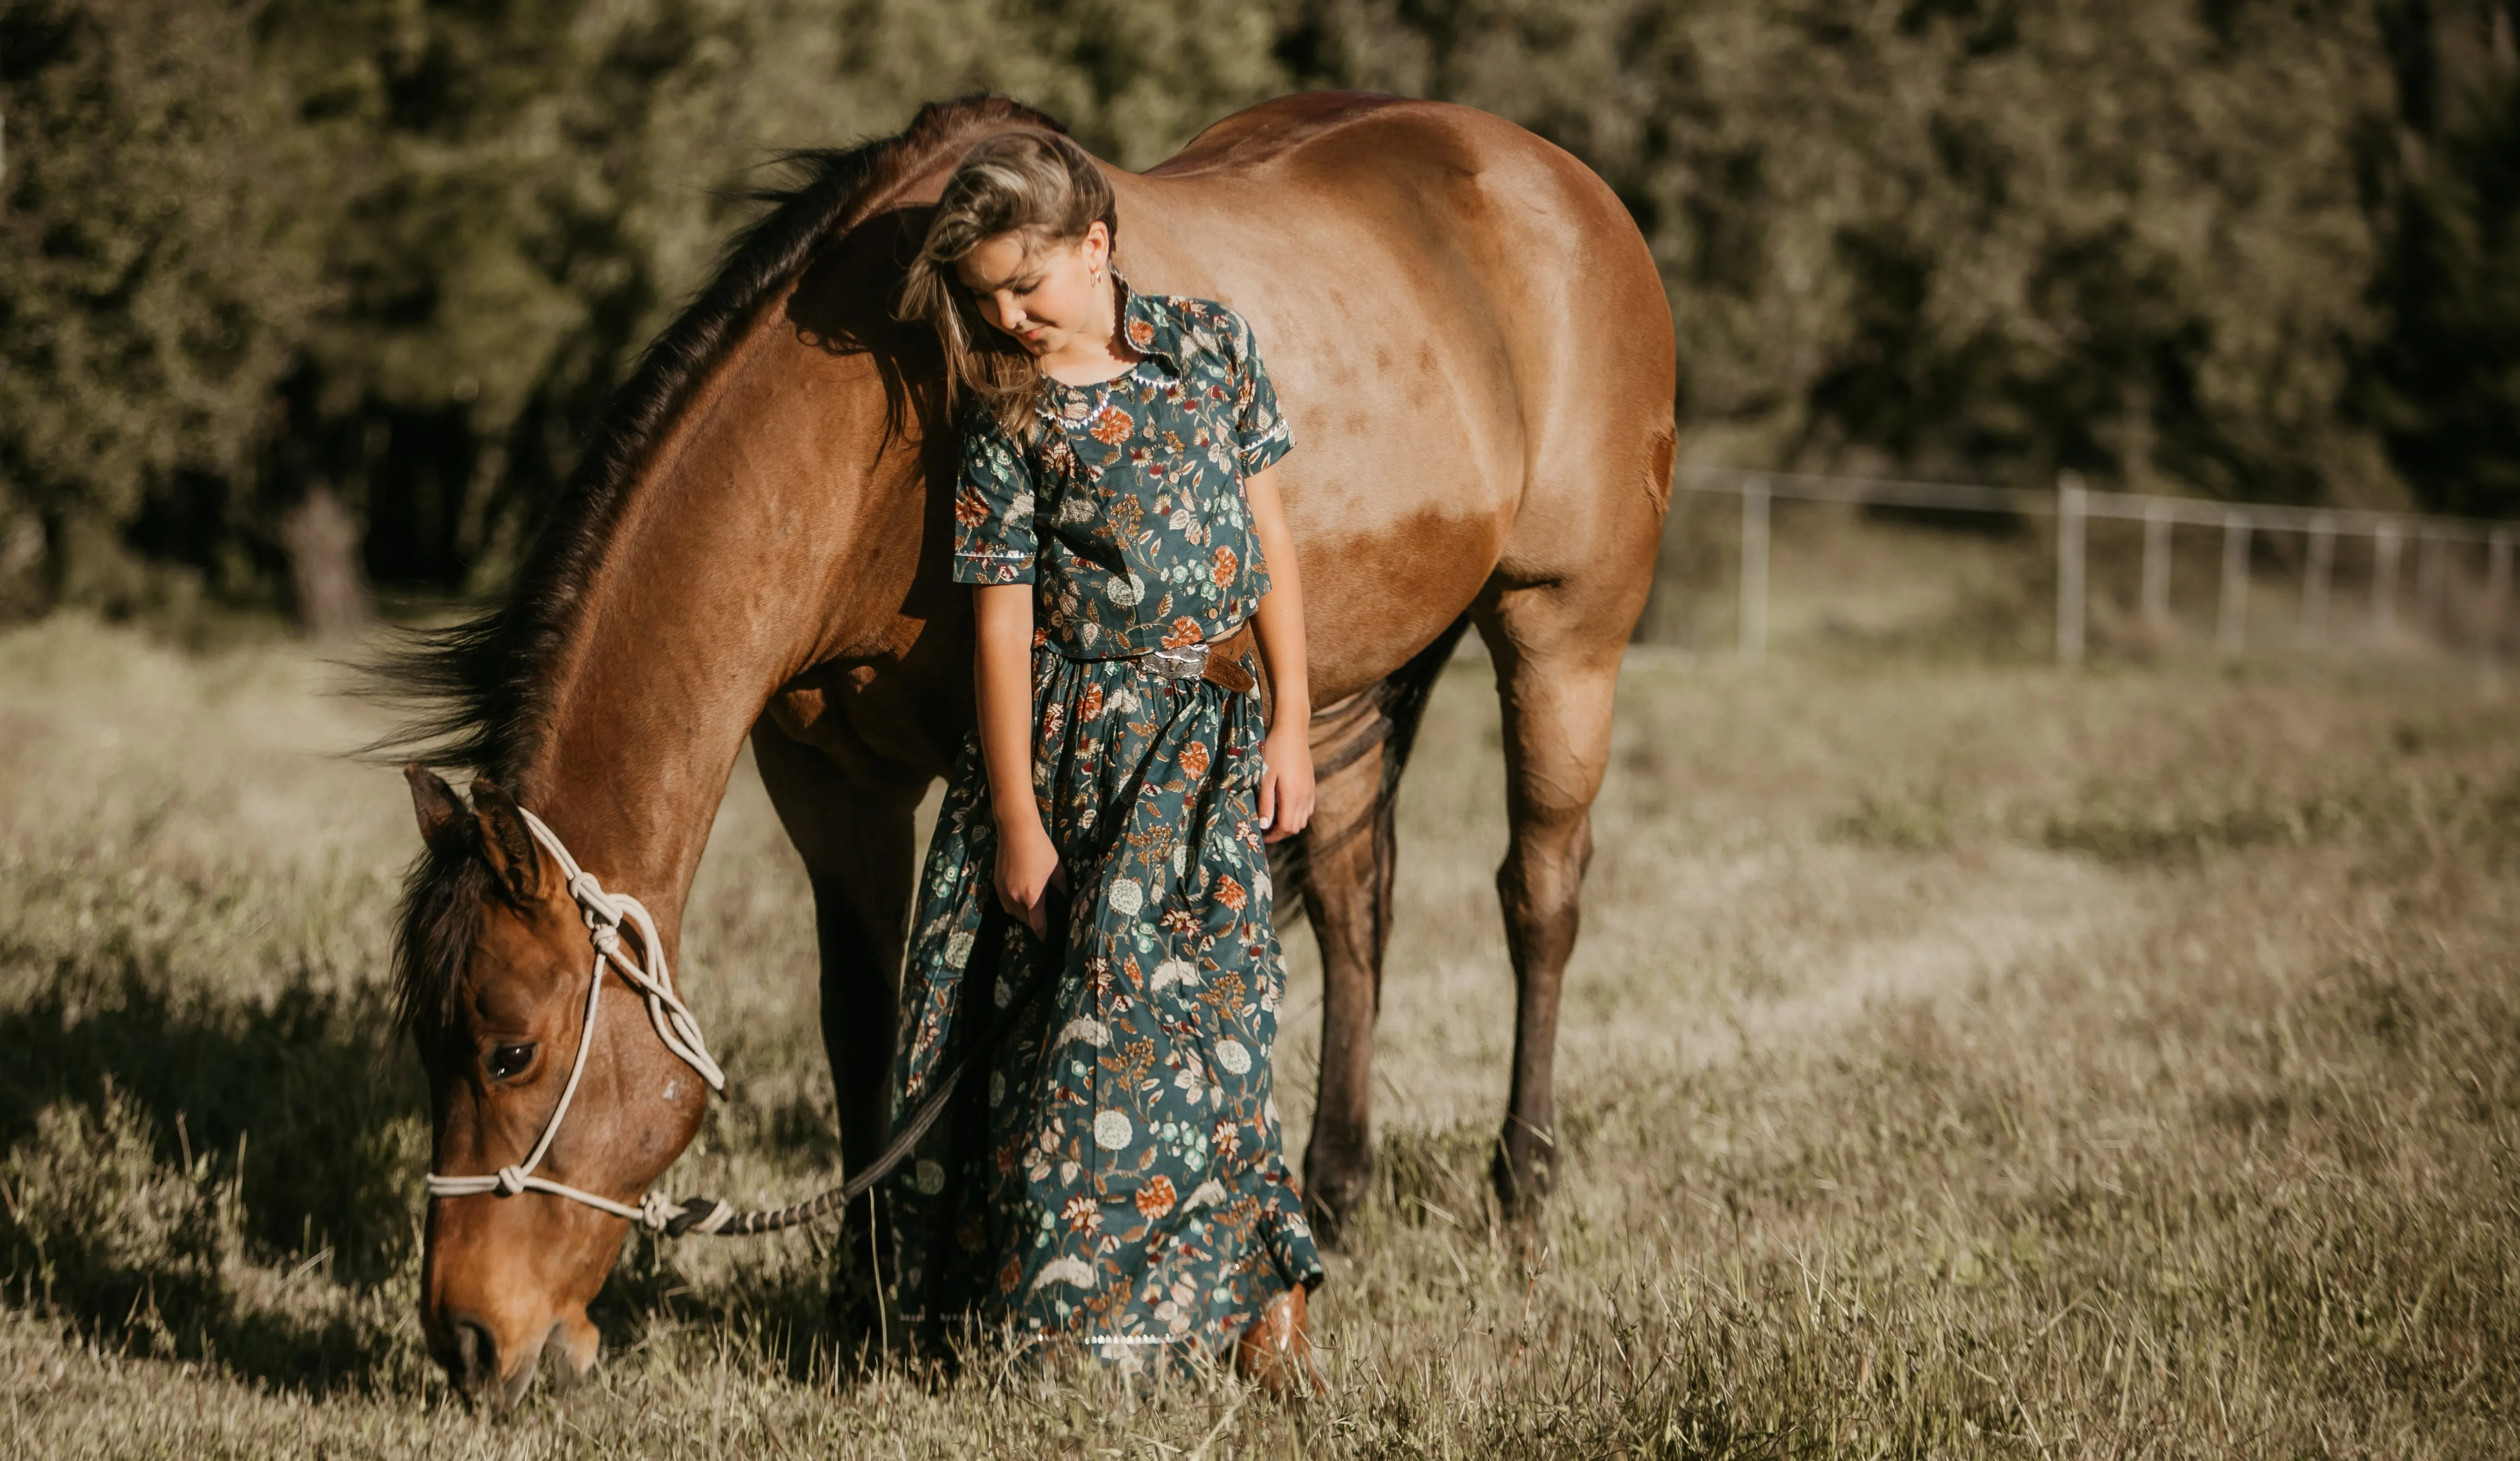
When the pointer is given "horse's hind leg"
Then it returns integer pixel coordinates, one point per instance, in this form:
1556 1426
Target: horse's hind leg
1345 865
1557 669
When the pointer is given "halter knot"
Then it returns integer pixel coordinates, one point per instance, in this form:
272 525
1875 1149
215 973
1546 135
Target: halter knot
512 1180
607 937
591 896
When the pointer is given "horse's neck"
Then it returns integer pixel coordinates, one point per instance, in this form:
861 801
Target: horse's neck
739 558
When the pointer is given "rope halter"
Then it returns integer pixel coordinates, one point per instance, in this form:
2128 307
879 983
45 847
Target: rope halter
605 913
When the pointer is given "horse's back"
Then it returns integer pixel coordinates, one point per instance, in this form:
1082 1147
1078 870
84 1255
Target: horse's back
1319 159
1259 134
1347 138
1468 333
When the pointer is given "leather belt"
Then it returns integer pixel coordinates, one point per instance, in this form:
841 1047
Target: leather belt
1233 661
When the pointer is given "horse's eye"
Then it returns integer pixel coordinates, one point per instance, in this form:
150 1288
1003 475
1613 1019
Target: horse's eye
507 1060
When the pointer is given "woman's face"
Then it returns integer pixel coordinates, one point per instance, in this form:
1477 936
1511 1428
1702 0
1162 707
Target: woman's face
1052 298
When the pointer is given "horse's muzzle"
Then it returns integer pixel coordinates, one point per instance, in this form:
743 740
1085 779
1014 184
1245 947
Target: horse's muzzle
473 1359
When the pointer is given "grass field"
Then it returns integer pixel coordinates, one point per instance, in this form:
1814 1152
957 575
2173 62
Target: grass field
1961 1058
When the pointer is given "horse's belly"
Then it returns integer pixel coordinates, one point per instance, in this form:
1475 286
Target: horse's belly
1374 598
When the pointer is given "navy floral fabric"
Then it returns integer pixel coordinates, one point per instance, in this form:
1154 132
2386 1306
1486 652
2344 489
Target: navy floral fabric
1118 1179
1125 505
1112 1181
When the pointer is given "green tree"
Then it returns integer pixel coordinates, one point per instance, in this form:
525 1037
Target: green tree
2442 384
153 277
294 292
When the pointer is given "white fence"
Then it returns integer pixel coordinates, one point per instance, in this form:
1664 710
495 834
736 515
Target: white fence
2072 505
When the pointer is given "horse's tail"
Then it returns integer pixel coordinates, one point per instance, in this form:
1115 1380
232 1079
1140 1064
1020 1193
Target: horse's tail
1386 713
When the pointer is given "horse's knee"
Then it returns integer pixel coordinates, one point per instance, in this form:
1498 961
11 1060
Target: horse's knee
1549 849
1539 885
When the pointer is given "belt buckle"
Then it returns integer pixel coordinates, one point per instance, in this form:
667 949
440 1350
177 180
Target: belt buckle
1185 662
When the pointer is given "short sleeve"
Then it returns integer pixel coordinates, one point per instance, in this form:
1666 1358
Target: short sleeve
993 531
1260 434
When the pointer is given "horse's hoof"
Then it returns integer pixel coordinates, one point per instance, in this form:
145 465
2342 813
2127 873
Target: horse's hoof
1327 1220
1275 1350
1333 1194
1521 1188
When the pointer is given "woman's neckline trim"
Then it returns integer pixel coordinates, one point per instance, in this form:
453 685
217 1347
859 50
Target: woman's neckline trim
1122 296
1104 382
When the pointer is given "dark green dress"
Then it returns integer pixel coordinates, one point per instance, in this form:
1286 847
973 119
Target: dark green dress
1114 1179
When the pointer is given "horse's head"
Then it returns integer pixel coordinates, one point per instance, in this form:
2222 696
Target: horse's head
497 966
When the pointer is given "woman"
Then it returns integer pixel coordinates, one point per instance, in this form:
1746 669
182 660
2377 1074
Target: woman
1098 870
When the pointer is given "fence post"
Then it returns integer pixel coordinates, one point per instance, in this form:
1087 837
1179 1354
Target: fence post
2156 568
2384 579
2314 579
2497 588
2431 573
2232 620
1754 567
2069 568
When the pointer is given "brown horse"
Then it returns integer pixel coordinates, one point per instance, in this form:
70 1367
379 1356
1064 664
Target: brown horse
1474 348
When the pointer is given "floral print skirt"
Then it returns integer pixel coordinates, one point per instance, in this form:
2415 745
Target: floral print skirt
1111 1178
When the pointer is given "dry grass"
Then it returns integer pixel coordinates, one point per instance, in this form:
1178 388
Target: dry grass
1962 1059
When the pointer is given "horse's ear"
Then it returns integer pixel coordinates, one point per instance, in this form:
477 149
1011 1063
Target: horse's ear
440 812
506 843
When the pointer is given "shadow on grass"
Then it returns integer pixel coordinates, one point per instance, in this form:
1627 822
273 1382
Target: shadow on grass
810 1317
211 1177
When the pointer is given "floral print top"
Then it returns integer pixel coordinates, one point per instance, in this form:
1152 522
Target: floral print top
1126 508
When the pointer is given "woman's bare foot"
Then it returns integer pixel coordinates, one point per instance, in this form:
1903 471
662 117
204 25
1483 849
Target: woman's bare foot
1276 1352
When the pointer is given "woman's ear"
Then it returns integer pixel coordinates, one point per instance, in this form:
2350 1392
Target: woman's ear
1096 246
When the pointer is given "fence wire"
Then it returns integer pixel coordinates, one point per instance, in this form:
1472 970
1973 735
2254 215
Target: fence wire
2072 503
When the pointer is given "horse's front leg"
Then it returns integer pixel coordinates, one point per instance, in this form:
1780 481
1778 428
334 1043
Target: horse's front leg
858 838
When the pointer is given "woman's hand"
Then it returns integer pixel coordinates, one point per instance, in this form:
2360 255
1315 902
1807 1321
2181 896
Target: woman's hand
1027 859
1286 779
1027 866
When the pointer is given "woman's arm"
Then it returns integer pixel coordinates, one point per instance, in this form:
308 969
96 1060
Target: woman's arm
1027 861
1286 754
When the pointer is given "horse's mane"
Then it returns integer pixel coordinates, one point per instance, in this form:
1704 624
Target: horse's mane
478 690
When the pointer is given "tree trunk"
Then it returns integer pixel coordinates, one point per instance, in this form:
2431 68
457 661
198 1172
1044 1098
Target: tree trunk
24 592
323 546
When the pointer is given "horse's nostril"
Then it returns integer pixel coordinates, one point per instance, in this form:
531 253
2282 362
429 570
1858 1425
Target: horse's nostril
475 1360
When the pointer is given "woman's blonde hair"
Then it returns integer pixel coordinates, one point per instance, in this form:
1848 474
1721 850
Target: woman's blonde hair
1037 185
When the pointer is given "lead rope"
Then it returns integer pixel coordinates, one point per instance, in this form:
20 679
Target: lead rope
604 912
